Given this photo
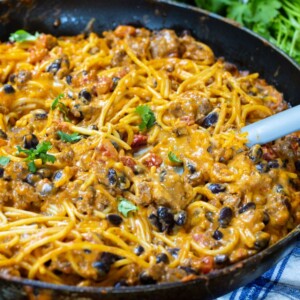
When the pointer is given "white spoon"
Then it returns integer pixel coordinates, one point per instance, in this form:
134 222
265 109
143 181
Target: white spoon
273 127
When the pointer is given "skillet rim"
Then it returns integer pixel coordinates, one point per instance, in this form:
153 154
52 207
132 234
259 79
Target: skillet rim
289 238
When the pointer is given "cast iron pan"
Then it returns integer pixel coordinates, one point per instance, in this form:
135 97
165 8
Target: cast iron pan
227 39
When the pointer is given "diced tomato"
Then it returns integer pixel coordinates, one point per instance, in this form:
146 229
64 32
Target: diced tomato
107 149
189 120
269 153
139 140
128 161
153 160
207 264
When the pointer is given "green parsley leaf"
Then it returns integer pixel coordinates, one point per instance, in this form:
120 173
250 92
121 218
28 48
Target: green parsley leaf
23 36
125 206
147 115
40 152
173 158
69 138
4 161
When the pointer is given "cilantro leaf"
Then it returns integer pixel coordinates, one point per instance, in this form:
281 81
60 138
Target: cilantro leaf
69 138
4 161
40 152
32 167
56 101
23 36
60 106
125 206
147 115
173 158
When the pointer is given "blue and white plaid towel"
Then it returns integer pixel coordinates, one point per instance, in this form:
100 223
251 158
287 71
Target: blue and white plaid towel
282 282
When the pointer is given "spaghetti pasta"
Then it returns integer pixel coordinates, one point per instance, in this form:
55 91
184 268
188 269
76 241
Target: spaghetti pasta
122 161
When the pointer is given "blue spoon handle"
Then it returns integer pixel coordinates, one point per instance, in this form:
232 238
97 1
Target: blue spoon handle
273 127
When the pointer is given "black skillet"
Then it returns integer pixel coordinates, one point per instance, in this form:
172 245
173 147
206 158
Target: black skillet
237 45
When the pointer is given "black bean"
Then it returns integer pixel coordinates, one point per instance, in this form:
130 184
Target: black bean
46 189
123 182
155 221
138 250
287 203
166 218
273 164
180 218
1 172
121 283
95 127
30 141
262 167
87 251
210 120
217 235
216 188
57 175
12 78
3 135
247 206
279 189
164 214
297 165
54 66
162 175
114 219
145 278
32 179
45 173
102 268
221 259
85 96
266 218
8 89
115 81
188 270
69 79
174 251
225 216
255 153
191 168
109 258
262 240
41 116
209 215
112 177
162 257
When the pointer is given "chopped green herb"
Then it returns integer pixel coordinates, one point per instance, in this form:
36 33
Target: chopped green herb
40 152
61 106
125 206
69 138
23 36
173 158
4 161
32 167
147 115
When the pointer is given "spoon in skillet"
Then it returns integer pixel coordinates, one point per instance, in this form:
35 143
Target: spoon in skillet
273 127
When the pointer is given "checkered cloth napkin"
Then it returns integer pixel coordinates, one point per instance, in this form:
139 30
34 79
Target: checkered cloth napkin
282 282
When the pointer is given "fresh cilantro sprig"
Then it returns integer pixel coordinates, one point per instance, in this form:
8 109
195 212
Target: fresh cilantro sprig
69 138
276 20
4 161
23 36
40 152
60 106
173 158
125 206
147 116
